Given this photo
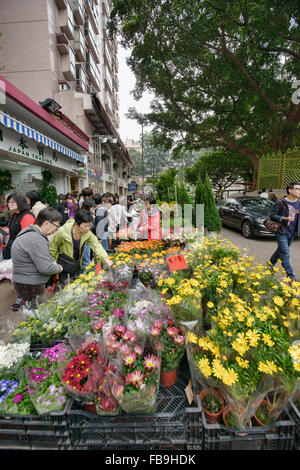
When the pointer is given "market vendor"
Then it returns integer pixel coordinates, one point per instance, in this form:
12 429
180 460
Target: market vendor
149 222
67 245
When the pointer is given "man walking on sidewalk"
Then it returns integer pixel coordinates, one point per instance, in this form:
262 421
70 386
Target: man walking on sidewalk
286 211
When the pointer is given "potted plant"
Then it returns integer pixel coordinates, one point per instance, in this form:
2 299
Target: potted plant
105 156
170 340
212 404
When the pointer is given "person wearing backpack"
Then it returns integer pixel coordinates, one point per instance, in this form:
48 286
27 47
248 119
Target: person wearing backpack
286 211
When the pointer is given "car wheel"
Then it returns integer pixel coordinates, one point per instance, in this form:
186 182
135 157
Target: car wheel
247 230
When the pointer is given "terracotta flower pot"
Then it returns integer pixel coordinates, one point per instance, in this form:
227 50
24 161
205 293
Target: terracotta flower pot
168 378
227 409
260 423
212 418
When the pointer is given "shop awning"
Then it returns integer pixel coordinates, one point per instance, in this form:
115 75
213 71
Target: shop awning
22 128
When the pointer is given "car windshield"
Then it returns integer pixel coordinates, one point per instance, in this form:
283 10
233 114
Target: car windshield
256 203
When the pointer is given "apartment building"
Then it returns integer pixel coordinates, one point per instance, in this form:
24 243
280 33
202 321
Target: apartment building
60 50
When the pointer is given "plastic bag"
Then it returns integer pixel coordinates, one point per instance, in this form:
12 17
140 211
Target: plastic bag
135 381
143 308
6 267
83 374
12 354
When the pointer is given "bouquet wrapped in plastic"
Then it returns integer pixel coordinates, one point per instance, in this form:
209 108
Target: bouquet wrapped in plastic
170 340
118 339
143 308
13 354
216 367
45 389
82 375
135 381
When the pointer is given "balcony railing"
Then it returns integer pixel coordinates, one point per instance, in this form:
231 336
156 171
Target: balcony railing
81 80
66 22
92 70
92 40
78 12
79 45
62 43
68 66
107 56
61 4
92 13
108 79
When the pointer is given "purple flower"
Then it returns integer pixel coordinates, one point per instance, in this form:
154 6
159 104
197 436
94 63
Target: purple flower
19 397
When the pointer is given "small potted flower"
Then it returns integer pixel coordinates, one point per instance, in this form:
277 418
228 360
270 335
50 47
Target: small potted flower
212 404
170 340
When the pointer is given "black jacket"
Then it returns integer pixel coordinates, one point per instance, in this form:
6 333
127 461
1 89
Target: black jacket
279 211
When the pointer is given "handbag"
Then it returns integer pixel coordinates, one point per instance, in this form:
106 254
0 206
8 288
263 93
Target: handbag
272 225
70 265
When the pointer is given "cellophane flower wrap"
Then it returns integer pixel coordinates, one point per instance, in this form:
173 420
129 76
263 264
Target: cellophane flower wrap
106 403
118 339
83 373
12 354
135 379
143 308
170 341
44 385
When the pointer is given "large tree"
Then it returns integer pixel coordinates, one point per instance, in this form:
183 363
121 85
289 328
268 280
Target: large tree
222 71
223 168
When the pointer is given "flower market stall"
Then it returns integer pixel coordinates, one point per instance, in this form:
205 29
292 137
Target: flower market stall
92 368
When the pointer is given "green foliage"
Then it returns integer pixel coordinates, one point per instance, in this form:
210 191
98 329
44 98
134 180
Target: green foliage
223 168
48 190
212 221
165 185
5 178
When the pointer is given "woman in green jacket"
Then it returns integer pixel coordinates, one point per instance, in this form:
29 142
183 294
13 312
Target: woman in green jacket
68 242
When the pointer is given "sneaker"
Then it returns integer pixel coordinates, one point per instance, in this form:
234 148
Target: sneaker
17 305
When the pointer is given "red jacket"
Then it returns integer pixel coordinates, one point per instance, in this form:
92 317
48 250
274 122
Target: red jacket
149 223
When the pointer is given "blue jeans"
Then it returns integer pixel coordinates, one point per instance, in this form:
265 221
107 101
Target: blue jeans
86 260
104 240
284 240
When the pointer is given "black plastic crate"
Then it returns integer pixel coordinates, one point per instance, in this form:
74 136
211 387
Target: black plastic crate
294 414
40 432
278 436
175 424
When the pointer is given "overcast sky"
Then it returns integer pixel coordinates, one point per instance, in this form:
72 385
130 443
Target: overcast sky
129 128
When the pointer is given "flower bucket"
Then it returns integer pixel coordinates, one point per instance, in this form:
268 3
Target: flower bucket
168 378
211 417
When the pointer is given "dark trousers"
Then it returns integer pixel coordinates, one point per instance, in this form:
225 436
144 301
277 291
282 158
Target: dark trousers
29 293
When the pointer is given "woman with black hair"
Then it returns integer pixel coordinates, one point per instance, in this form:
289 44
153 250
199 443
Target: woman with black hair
149 223
62 207
67 245
34 200
21 218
